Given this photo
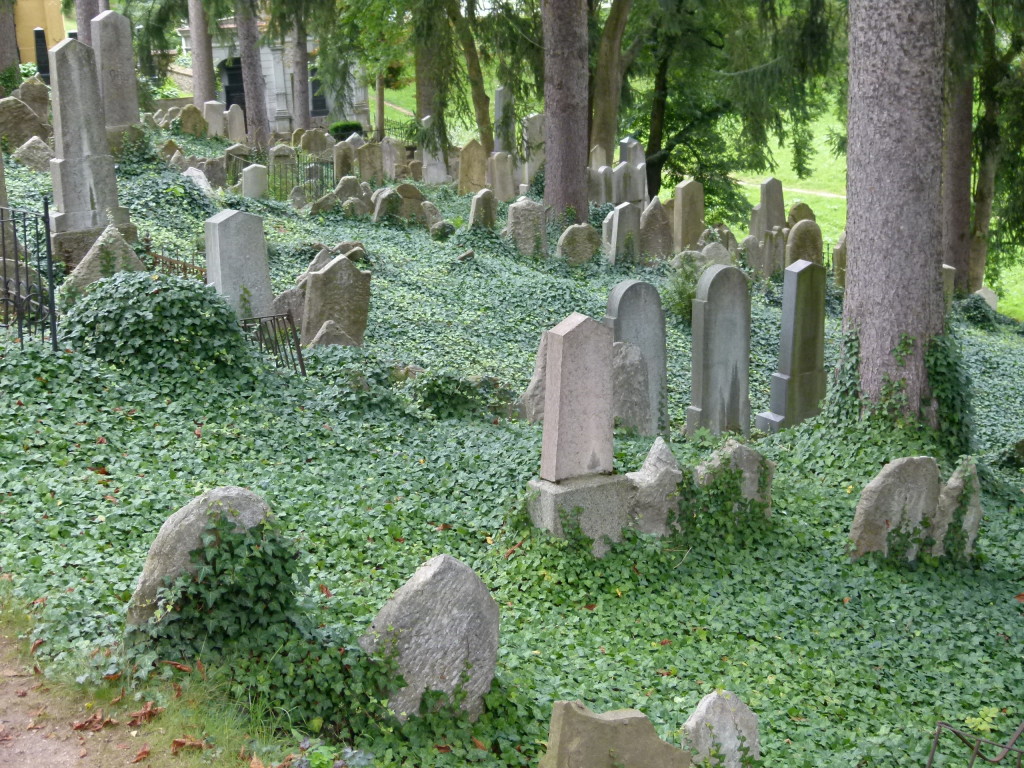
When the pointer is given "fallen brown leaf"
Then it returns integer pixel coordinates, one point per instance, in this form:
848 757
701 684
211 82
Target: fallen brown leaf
479 744
442 748
187 742
141 755
178 666
118 698
144 715
40 641
256 762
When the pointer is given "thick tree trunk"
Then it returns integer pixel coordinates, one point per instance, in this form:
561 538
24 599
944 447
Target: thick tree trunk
565 101
984 195
956 179
85 10
655 159
478 90
894 300
102 5
379 115
300 69
426 83
255 89
8 38
202 54
608 79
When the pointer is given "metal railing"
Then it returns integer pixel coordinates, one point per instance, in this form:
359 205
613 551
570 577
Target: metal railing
275 336
27 275
193 265
1002 751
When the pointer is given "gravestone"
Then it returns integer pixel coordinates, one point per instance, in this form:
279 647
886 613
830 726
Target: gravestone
631 151
235 124
636 184
504 121
499 167
716 253
578 244
255 181
371 162
598 157
198 178
839 260
483 210
720 392
297 135
533 137
108 255
314 142
36 95
655 231
472 168
773 252
896 502
620 175
739 463
181 533
991 297
339 292
236 262
654 503
18 123
963 482
635 316
722 724
948 284
773 206
35 154
434 169
804 242
392 156
344 159
799 212
84 185
622 242
442 626
688 215
527 227
216 118
115 64
192 121
798 385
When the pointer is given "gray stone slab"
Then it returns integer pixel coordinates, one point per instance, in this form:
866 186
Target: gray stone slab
654 503
688 215
527 227
578 244
635 316
483 210
623 244
598 504
255 181
339 292
723 724
472 168
895 503
115 63
804 242
236 262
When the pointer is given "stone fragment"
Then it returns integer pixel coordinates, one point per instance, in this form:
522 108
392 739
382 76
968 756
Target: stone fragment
799 212
169 555
654 501
530 405
198 178
959 503
655 231
755 472
35 154
109 255
18 123
297 197
441 230
578 244
723 724
991 297
340 292
36 94
527 227
635 316
236 262
442 625
804 242
324 204
331 335
894 504
192 121
483 210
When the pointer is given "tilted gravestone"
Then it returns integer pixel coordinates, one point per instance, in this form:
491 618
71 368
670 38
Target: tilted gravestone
635 316
442 625
798 386
472 168
236 262
896 502
578 244
622 233
339 292
721 353
527 227
655 231
112 41
483 210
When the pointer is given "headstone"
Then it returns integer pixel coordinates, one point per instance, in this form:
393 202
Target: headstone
298 198
313 142
472 168
622 243
636 184
332 335
392 156
629 386
895 503
533 138
773 251
799 212
527 227
255 181
355 141
635 316
18 123
236 262
108 255
499 166
430 214
297 135
655 231
754 253
721 353
216 118
757 226
948 284
35 154
991 297
112 42
169 555
371 162
416 170
347 186
216 170
504 121
631 151
839 260
716 253
442 625
199 179
723 725
483 210
344 159
623 738
434 169
577 437
620 175
688 213
954 509
804 242
36 95
388 204
654 503
235 120
339 292
798 386
193 122
324 204
84 185
578 244
751 470
773 206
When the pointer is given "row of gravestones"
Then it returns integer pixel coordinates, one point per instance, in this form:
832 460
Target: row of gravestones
215 119
442 626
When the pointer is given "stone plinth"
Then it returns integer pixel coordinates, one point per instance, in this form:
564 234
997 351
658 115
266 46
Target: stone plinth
602 502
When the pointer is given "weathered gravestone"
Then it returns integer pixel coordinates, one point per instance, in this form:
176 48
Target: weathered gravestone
215 115
622 233
499 167
737 462
392 156
169 555
255 181
442 625
236 262
483 210
527 227
35 154
799 212
773 208
721 353
624 738
722 724
371 162
36 94
533 137
504 120
959 505
434 169
654 502
235 119
112 42
688 215
578 244
339 292
192 121
948 284
472 168
84 185
894 505
839 260
18 123
804 242
108 255
798 385
635 316
655 231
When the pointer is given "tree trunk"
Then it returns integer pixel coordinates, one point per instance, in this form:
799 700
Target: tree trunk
202 54
102 5
252 73
300 69
608 79
956 179
894 301
379 116
85 10
8 38
655 160
565 100
426 82
478 90
989 151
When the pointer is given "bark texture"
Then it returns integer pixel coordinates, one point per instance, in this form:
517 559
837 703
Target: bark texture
9 56
252 73
85 10
956 180
426 82
894 166
202 54
565 101
478 90
608 79
300 68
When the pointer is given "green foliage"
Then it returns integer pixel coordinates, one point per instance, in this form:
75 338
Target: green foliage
681 290
951 387
10 79
449 396
164 328
342 129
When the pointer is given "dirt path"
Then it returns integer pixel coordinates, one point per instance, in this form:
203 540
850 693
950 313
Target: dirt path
36 722
796 191
397 108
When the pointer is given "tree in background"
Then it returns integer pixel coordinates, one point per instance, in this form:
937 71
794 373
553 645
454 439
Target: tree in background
247 27
894 302
203 79
85 10
9 58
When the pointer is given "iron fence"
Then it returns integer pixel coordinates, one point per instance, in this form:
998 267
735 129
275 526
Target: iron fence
27 275
275 336
975 743
186 265
314 174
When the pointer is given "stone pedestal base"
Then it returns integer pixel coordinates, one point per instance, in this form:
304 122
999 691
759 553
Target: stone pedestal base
599 503
71 247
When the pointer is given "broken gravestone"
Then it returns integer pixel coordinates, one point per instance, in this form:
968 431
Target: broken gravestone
754 473
893 506
724 725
